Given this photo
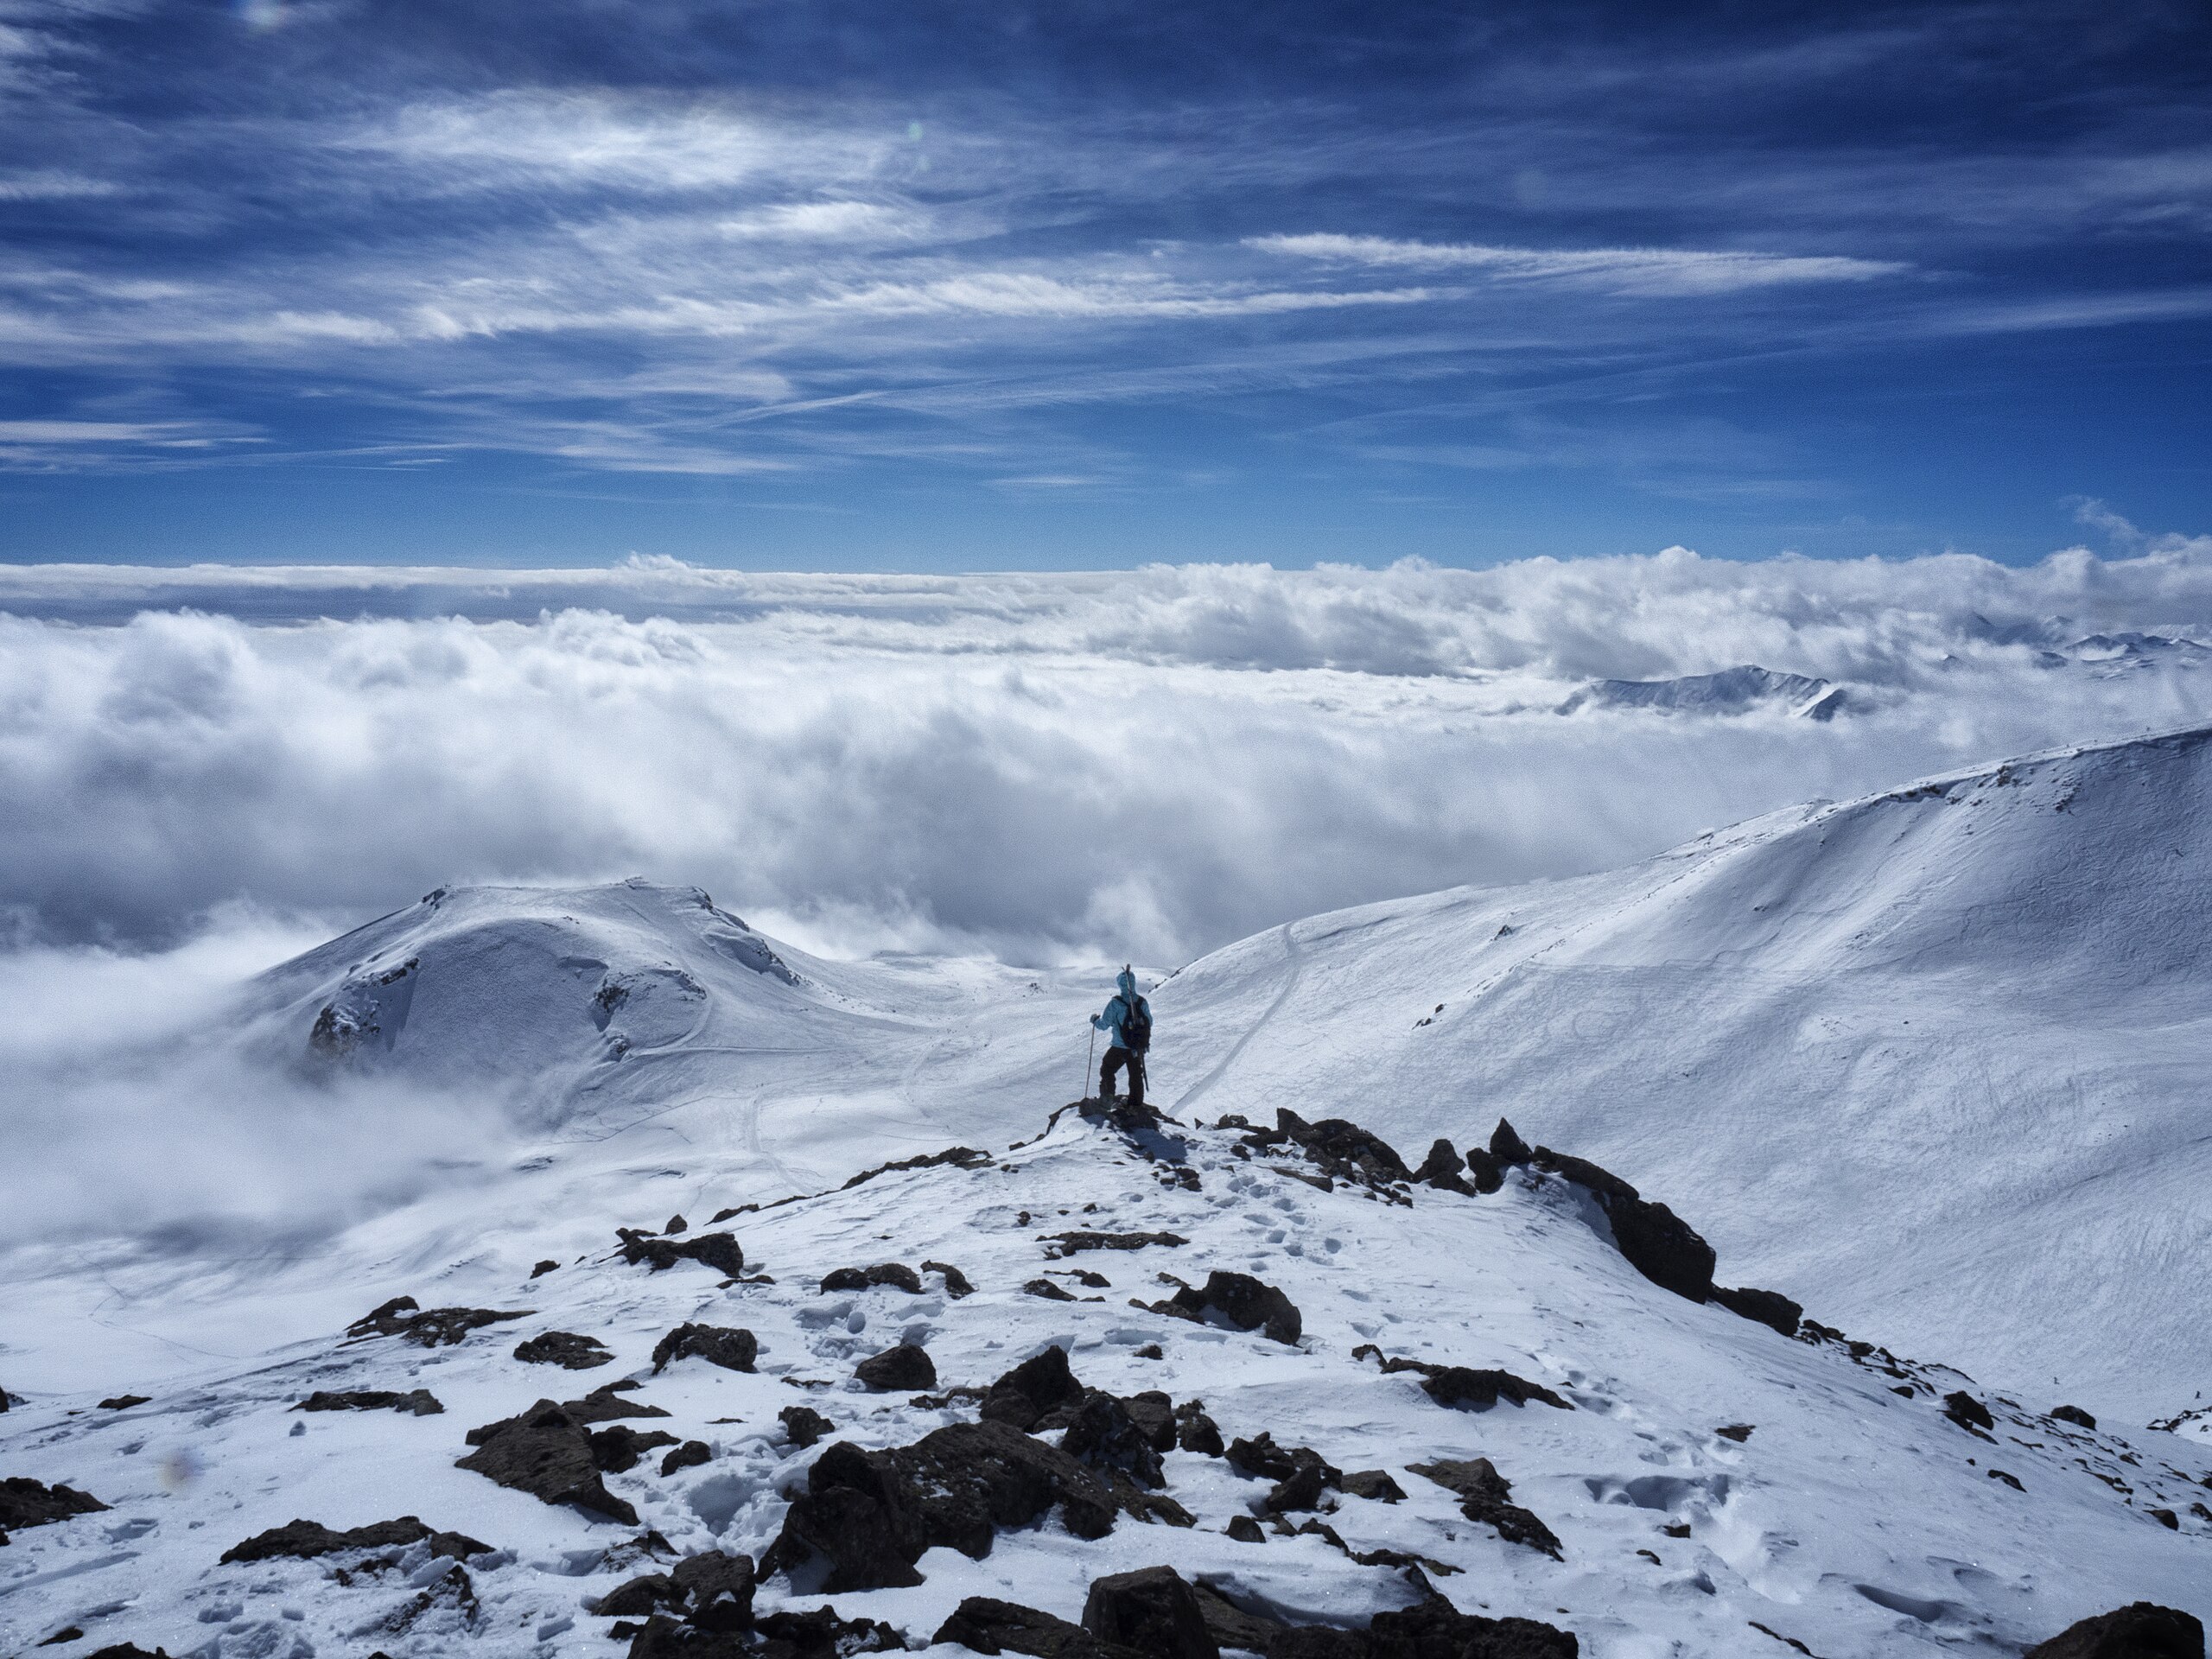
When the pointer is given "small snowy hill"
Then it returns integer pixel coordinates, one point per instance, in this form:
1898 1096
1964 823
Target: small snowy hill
1732 692
1322 1394
1932 1061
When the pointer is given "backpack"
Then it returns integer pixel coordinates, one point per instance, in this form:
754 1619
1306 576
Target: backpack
1137 1026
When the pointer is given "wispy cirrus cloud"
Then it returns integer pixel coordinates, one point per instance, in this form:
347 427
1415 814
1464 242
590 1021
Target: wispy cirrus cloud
1671 272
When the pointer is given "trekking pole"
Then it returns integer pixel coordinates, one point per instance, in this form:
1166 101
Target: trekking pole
1089 1049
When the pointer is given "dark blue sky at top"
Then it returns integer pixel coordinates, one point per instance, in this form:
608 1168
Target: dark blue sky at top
985 285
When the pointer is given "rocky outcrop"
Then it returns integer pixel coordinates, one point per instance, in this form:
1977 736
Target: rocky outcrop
2073 1415
1151 1611
1249 1304
1432 1629
418 1402
987 1625
547 1452
427 1328
1767 1307
802 1425
1442 1168
871 1515
1024 1397
1484 1495
898 1370
1658 1243
896 1274
26 1503
1465 1386
565 1349
717 1250
305 1539
2140 1631
1105 1437
1338 1146
606 1402
1300 1474
1067 1244
731 1347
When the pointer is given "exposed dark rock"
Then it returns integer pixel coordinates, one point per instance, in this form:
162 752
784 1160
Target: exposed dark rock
604 1404
1195 1431
546 1453
1245 1529
419 1403
676 1224
991 1626
1048 1290
4 1399
2142 1629
873 1514
1153 1413
124 1401
2014 1481
965 1157
306 1539
544 1267
129 1651
883 1272
1506 1146
616 1450
1040 1385
431 1328
689 1455
1485 1170
898 1370
1968 1412
1300 1475
1152 1610
821 1634
1373 1483
717 1250
2073 1415
1230 1626
1441 1169
727 1346
1246 1303
804 1424
1067 1244
66 1633
638 1598
27 1503
1340 1148
1736 1432
717 1588
2166 1518
1767 1307
1658 1243
1104 1436
565 1349
1092 1281
1465 1386
956 1282
1484 1495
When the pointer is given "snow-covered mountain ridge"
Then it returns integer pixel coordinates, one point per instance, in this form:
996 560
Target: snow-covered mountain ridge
1299 1449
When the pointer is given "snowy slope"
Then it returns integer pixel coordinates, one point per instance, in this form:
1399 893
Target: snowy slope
1932 1061
1850 1515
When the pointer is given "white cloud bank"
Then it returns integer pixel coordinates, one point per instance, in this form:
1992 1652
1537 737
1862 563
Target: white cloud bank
1144 764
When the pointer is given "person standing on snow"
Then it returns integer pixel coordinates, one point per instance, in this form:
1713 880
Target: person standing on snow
1127 1023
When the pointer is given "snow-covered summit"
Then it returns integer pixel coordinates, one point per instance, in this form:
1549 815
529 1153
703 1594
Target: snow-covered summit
1731 691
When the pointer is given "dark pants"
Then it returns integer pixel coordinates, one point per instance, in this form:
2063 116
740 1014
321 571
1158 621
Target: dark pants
1116 1059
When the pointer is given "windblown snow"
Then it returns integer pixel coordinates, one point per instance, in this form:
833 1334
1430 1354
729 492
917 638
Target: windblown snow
1929 1063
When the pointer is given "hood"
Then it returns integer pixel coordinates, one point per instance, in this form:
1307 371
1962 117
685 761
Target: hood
1126 982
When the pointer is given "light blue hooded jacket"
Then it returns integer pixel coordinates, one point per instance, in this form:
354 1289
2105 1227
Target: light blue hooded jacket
1118 1009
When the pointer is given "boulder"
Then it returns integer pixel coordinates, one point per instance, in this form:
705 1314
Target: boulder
1768 1307
1048 1290
565 1349
1196 1432
605 1402
728 1346
124 1401
1656 1242
1506 1146
1246 1303
956 1282
26 1503
898 1370
1152 1610
689 1455
895 1273
717 1250
1375 1484
305 1539
991 1626
1300 1474
1471 1389
2073 1415
2141 1629
419 1403
1485 1170
1483 1495
1104 1436
1154 1412
1040 1385
873 1514
1968 1412
431 1328
546 1453
615 1451
1441 1169
804 1424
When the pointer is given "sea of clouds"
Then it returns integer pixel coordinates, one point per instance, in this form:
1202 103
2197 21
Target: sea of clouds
204 770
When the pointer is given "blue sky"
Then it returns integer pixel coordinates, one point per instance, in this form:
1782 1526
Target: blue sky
968 286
